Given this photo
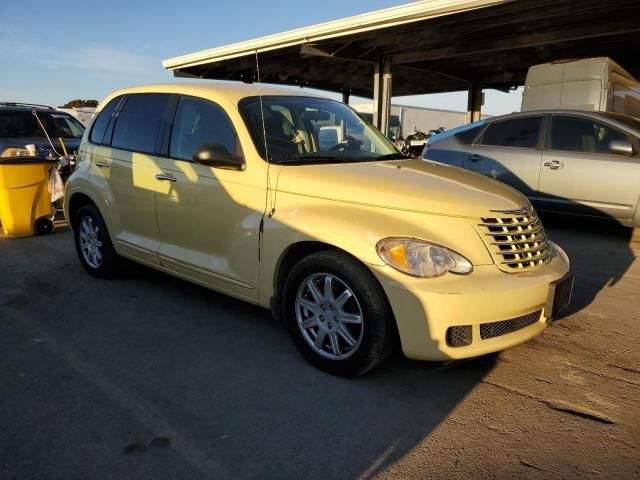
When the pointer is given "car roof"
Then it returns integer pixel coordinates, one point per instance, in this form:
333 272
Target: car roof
568 111
19 107
232 91
618 119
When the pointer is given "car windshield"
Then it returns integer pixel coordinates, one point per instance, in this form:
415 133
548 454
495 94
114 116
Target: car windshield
24 124
624 119
310 130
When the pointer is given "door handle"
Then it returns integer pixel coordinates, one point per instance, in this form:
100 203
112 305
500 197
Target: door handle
554 165
102 165
167 178
475 158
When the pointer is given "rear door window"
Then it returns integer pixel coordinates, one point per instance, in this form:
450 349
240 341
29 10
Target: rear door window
200 122
520 132
139 121
575 134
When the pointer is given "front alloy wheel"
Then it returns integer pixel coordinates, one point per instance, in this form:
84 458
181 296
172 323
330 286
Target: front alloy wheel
337 313
329 316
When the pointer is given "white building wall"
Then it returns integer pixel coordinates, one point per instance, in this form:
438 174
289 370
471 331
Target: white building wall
423 119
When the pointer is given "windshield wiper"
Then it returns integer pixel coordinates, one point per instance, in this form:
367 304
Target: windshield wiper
312 158
392 156
340 158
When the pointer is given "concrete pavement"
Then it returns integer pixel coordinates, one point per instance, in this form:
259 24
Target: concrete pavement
148 376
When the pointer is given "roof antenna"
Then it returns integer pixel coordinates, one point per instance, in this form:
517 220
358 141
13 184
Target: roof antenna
264 136
264 128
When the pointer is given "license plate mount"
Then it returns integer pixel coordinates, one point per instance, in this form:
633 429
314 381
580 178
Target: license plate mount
560 295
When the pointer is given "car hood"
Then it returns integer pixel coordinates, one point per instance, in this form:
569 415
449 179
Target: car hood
411 185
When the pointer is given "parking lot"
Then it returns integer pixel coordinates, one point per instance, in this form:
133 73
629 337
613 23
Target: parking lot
148 376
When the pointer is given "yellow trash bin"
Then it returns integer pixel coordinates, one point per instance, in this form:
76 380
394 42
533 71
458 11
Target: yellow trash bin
25 203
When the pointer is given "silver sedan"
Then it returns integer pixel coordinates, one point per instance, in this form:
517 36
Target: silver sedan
578 162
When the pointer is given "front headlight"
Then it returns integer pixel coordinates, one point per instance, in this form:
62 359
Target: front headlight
420 258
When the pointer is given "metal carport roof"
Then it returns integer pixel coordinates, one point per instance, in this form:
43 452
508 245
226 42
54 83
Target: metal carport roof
429 47
433 46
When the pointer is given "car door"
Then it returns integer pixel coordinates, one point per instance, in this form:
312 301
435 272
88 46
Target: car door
580 174
509 150
209 218
132 167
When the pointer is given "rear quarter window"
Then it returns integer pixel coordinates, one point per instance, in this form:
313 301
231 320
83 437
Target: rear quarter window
468 136
101 122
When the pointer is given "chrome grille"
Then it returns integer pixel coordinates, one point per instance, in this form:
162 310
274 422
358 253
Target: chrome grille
516 239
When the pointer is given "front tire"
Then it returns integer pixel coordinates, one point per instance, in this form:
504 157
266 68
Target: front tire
337 314
93 245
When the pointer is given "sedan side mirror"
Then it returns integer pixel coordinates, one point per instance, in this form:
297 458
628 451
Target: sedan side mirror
217 156
621 147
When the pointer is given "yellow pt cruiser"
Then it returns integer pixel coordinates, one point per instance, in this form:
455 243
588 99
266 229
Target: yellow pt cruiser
293 202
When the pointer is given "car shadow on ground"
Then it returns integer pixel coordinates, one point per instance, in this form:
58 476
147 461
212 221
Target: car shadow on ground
245 380
225 375
599 249
598 246
220 378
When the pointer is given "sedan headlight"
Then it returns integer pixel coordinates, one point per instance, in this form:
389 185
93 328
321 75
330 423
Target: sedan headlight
420 258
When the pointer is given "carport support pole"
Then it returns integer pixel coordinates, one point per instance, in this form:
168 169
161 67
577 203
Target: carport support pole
346 93
382 94
474 103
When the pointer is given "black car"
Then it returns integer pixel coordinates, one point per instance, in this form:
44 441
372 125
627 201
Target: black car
20 127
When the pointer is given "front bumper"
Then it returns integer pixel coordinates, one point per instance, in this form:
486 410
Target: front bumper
425 308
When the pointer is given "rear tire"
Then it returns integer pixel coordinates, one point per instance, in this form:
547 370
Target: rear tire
93 244
337 314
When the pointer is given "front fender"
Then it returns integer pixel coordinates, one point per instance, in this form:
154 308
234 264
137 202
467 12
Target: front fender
356 229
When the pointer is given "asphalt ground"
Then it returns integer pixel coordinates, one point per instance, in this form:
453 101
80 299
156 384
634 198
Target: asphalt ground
150 377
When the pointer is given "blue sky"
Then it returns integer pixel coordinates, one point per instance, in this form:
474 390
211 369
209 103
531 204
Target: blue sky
52 52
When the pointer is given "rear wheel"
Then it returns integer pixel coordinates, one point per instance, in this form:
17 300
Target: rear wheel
337 314
93 244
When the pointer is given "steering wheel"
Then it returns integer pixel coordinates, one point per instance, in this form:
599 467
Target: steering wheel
280 141
349 143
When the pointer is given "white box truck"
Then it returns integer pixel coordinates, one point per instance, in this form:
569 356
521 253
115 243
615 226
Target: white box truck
598 84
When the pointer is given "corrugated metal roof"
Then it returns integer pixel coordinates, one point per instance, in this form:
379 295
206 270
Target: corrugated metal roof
388 17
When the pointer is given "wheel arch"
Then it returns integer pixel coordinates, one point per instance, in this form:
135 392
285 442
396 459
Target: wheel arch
76 202
292 255
296 252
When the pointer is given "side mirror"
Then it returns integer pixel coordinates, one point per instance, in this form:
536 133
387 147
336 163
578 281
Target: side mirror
217 156
621 147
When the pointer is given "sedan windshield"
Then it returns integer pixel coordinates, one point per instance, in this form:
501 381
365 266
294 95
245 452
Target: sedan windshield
312 130
625 119
24 124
